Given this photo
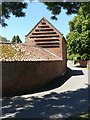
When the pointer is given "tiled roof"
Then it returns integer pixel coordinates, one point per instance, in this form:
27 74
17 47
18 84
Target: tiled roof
25 52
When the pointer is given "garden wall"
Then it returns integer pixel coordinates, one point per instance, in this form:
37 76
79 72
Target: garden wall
19 77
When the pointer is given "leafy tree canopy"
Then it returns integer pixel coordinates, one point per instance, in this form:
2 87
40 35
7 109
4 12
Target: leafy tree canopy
56 7
16 8
4 39
79 35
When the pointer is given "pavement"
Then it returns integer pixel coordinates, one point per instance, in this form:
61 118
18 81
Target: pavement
57 100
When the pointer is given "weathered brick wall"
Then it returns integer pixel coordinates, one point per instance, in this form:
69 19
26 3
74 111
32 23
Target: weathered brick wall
47 36
56 51
64 51
20 77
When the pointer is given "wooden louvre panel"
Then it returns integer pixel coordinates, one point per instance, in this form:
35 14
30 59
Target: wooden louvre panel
45 35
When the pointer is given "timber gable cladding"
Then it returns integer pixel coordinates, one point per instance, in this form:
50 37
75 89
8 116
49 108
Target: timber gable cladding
45 35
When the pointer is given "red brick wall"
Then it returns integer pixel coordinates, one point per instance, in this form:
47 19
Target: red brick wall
56 51
64 51
28 76
48 38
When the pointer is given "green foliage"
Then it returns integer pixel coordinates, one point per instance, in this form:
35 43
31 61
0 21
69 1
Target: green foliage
70 7
69 57
85 57
3 39
13 39
79 35
73 57
16 39
16 8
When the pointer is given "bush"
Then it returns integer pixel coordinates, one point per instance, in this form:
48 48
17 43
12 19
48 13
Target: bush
69 57
85 57
75 57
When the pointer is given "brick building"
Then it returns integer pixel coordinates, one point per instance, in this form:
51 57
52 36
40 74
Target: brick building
41 59
46 36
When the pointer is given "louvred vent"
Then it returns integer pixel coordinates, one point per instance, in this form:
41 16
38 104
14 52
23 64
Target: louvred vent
44 35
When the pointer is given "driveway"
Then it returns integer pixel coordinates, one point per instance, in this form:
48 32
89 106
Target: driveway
65 97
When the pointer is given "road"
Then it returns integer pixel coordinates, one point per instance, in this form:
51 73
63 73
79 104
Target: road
61 101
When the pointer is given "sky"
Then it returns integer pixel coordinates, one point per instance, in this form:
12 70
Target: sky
34 13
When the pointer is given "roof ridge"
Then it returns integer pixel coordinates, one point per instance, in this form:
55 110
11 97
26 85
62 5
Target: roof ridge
43 18
35 26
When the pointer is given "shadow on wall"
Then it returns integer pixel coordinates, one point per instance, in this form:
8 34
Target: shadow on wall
67 104
54 83
54 105
61 80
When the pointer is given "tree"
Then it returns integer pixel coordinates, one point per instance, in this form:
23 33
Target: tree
56 7
16 39
4 39
16 8
13 39
79 36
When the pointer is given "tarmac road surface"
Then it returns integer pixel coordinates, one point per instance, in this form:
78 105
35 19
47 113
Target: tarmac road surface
67 100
